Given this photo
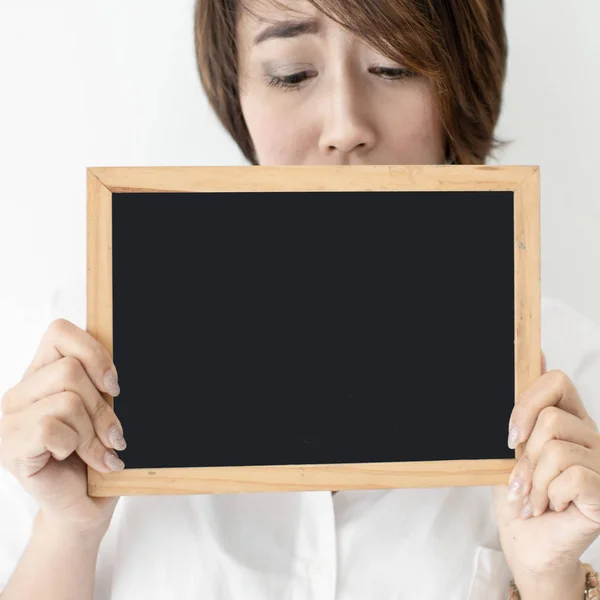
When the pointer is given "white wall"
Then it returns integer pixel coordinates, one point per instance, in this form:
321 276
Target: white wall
552 112
88 83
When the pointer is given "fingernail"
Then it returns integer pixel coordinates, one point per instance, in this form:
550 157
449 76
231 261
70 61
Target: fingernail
527 510
110 381
513 438
116 438
113 462
515 487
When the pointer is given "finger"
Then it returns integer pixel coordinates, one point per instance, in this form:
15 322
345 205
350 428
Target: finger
28 444
504 511
68 374
544 364
557 456
69 408
576 484
63 338
551 389
27 449
552 424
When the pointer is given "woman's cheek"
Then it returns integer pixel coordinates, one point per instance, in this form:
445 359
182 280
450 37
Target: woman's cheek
415 130
278 139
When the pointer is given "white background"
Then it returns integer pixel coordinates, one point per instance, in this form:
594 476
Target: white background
113 82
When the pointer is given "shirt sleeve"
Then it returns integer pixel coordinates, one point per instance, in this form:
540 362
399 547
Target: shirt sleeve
491 575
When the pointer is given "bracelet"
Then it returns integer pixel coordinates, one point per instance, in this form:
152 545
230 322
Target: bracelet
592 587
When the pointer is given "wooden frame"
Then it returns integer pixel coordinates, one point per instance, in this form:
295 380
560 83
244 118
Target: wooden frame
522 180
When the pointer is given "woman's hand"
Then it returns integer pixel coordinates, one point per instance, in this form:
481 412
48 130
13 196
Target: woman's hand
55 420
551 513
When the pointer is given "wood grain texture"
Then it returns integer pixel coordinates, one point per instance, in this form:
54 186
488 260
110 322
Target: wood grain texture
522 180
296 478
313 178
99 276
528 356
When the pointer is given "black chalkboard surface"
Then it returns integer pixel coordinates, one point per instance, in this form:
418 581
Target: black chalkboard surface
317 338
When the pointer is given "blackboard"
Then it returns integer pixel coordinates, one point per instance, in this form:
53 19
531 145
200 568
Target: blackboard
308 332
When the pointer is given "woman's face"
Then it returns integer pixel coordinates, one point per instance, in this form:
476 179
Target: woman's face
311 93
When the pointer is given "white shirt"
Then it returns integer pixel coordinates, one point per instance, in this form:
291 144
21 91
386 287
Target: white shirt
406 544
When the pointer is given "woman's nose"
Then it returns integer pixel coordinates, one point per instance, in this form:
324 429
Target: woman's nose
347 121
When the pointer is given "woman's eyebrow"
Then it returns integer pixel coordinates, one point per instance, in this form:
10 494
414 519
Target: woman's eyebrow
288 29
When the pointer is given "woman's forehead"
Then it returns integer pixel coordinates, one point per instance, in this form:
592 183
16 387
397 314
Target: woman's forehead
255 16
267 10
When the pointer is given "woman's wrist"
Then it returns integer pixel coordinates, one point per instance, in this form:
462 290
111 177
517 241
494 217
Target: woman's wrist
561 584
68 537
59 562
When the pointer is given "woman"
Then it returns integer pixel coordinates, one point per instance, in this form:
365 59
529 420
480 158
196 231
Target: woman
315 82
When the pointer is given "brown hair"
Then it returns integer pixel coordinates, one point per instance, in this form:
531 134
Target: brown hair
460 45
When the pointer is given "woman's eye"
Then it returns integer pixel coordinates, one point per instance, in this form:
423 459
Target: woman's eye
294 80
288 82
393 72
